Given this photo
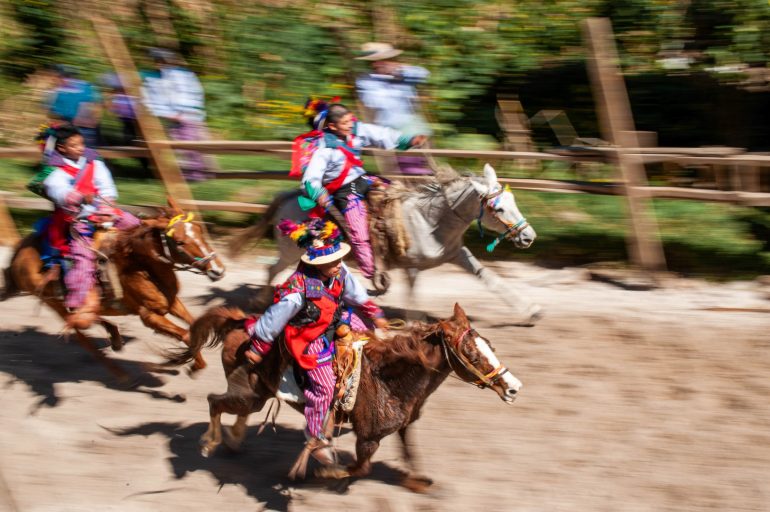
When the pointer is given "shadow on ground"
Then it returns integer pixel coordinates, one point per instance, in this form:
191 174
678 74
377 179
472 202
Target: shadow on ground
42 360
261 467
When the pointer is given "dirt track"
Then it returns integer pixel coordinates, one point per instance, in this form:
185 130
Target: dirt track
631 401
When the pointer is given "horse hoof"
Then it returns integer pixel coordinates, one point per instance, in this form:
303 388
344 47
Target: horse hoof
207 450
193 372
116 344
417 483
533 314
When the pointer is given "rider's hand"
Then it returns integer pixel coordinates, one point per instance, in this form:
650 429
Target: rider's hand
88 198
381 323
417 141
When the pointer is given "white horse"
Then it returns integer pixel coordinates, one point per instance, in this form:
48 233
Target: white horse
435 217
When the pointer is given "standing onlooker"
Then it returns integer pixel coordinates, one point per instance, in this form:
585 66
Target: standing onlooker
390 93
175 95
121 105
75 101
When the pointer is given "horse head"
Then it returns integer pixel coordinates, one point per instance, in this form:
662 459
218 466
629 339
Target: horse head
184 245
473 359
499 211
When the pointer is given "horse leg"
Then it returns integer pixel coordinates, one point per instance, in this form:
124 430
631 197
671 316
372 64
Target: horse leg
528 312
163 325
365 448
116 340
234 435
179 310
88 344
232 403
412 480
411 294
213 436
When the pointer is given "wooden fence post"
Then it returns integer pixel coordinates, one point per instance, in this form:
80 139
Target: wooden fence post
8 233
166 166
617 126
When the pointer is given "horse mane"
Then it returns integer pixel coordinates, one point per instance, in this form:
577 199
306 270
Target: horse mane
408 345
125 240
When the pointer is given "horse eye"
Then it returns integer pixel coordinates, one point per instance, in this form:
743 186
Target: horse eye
498 210
180 242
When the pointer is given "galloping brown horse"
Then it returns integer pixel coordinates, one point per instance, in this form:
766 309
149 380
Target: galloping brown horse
145 258
397 375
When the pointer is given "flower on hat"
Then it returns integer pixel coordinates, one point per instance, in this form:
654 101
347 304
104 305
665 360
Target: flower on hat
320 238
316 109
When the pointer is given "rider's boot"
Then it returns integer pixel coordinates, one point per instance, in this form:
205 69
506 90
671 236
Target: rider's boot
85 316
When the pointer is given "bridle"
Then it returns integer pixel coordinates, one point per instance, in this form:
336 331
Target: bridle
482 380
490 202
196 264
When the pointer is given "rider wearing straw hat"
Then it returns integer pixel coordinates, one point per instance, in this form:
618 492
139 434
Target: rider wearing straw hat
306 309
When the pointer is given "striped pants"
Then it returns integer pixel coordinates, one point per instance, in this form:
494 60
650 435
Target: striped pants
358 220
319 392
81 276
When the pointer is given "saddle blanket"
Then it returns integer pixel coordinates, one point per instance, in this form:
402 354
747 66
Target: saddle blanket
289 390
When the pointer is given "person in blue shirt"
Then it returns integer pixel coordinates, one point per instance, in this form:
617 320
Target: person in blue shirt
77 102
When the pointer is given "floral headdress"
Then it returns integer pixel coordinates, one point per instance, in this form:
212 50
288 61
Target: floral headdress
321 239
316 110
46 137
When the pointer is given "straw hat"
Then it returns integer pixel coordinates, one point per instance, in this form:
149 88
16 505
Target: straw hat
378 51
319 254
321 240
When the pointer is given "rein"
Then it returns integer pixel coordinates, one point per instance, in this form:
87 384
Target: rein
482 380
512 229
167 242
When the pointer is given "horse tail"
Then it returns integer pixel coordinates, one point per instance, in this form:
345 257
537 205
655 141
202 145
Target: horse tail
258 230
209 330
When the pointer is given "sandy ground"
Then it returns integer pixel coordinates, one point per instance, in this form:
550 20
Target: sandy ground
632 401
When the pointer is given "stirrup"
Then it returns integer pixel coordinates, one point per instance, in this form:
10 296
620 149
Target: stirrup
319 449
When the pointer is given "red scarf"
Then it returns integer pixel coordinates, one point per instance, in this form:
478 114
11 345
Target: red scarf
58 230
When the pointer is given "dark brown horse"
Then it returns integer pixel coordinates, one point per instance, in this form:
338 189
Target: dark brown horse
145 258
397 375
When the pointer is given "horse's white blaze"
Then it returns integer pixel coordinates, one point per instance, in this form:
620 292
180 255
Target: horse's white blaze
188 229
486 351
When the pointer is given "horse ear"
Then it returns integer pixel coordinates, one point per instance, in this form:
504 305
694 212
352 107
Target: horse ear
459 314
490 175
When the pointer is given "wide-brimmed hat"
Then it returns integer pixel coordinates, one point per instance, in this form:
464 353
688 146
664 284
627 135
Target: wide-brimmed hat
321 240
378 51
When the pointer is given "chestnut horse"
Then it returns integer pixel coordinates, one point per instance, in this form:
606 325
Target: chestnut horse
145 258
397 375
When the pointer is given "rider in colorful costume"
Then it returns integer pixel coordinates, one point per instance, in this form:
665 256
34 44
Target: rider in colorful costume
336 174
306 309
83 192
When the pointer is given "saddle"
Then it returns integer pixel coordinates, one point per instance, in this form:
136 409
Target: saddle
386 227
347 370
106 272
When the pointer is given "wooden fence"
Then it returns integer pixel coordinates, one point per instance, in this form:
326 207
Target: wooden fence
738 173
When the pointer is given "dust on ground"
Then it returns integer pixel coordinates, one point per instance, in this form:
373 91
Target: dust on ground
632 400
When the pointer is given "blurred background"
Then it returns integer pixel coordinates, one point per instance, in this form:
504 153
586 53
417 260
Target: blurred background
695 71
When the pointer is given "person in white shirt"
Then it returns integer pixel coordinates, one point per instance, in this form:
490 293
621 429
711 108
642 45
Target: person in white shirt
390 93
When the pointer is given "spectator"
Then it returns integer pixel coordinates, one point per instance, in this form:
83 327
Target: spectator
121 105
175 95
389 92
75 101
